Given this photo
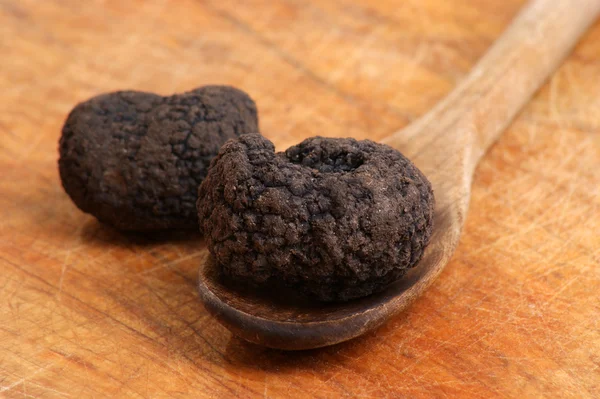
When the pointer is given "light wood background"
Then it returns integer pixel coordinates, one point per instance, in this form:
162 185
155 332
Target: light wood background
89 312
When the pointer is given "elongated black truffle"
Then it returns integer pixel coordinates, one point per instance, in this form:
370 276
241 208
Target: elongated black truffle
135 160
335 219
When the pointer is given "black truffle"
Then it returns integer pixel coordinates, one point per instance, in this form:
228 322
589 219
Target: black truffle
135 160
333 218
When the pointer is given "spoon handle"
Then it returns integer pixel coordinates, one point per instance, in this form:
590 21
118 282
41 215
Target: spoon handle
472 117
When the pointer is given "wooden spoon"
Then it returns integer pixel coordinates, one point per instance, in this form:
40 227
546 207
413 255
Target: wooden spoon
446 144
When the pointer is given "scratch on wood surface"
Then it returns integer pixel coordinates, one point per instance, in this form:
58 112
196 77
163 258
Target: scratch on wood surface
561 289
47 388
174 262
415 63
31 148
62 273
27 378
566 203
553 99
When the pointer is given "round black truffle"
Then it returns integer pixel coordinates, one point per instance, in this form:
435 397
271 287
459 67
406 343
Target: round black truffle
135 160
333 218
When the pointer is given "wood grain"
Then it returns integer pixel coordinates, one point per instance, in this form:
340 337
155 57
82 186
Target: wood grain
89 312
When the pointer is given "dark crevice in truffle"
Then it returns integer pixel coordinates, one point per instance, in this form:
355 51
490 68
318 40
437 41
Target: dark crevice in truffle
339 161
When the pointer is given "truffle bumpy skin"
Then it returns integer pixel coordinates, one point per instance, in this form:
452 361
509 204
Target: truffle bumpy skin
334 218
135 160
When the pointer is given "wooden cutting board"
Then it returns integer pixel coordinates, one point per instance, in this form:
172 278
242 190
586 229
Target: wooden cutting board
89 312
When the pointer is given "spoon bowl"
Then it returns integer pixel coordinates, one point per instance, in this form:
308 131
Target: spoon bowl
294 323
446 144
